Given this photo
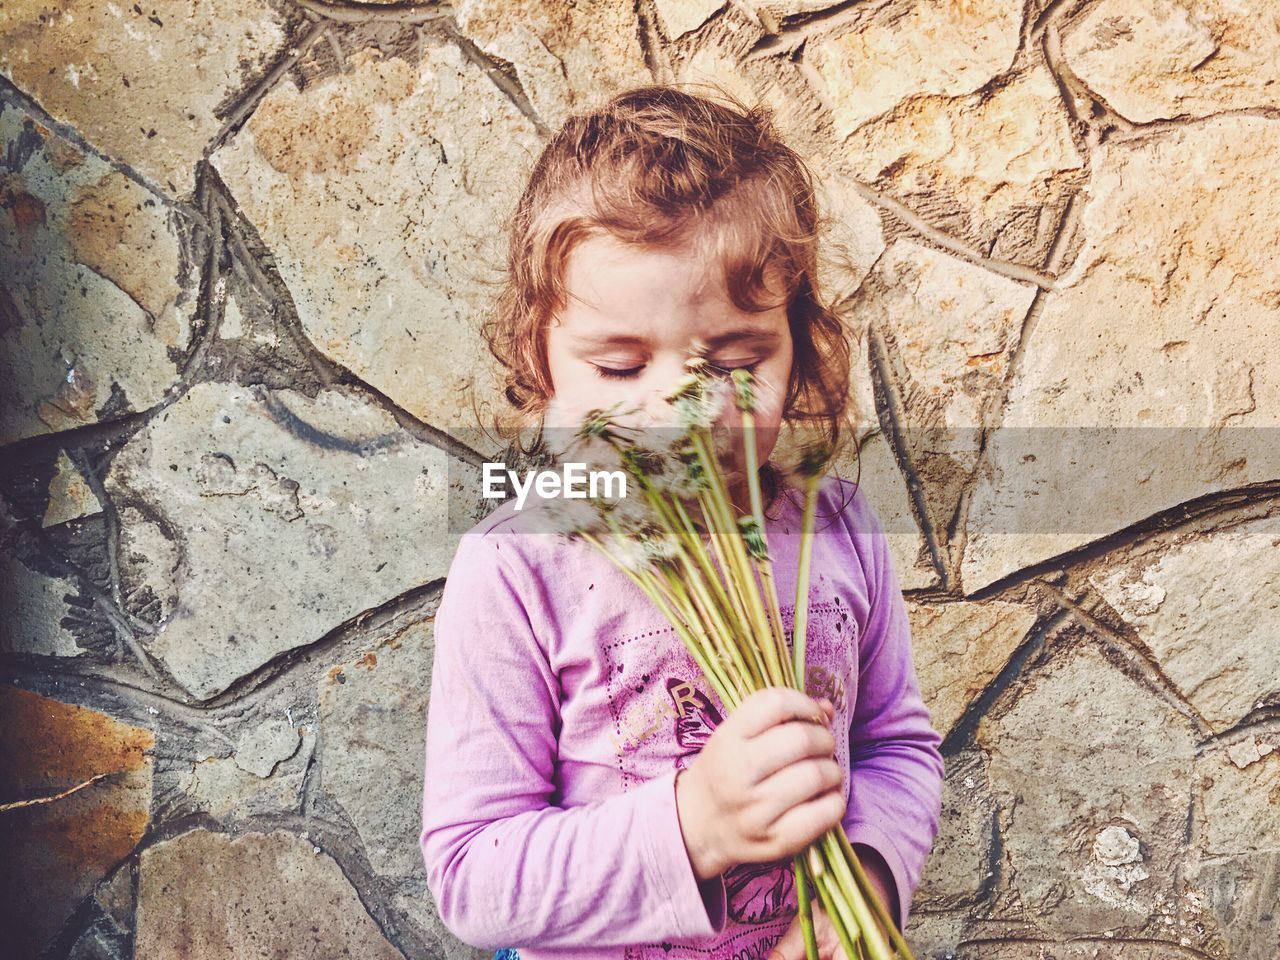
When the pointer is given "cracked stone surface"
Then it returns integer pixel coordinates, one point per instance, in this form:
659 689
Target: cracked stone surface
1240 806
935 46
95 294
34 608
265 493
373 712
1217 638
1114 756
678 17
949 329
959 648
1090 586
566 56
230 787
1177 58
70 496
959 865
379 192
205 895
57 851
1148 356
415 902
994 168
146 86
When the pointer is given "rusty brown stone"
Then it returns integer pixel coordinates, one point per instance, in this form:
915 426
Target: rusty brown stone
56 852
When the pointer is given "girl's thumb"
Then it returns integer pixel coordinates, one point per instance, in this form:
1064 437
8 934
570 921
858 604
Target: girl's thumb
791 945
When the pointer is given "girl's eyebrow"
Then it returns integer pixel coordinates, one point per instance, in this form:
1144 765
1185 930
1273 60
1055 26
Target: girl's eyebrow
752 333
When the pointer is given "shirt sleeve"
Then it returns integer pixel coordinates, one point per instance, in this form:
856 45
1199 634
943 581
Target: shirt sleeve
896 767
506 866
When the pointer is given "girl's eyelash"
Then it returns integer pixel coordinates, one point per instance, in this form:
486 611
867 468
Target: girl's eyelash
611 373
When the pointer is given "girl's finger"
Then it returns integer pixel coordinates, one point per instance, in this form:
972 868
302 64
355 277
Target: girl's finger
806 822
786 744
769 707
800 781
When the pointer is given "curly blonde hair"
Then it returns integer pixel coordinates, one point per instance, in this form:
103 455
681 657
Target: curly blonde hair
659 166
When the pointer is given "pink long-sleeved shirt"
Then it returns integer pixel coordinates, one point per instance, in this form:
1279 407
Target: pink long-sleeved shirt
563 704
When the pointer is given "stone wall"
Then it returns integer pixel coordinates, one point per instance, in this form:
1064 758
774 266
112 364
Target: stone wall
244 251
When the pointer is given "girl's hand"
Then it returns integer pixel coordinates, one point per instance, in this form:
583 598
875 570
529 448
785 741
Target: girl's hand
791 946
765 785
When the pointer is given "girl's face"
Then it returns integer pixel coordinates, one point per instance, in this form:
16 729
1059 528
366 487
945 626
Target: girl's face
634 316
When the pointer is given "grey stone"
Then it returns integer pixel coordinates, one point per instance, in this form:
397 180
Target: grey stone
1216 637
264 745
1078 749
291 515
222 787
959 866
34 608
373 718
380 192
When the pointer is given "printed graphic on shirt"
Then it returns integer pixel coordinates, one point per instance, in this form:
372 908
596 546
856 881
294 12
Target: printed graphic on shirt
665 711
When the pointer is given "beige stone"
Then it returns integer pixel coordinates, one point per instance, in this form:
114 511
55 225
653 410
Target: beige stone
959 648
874 467
682 16
1216 637
1081 748
1239 809
1153 59
949 329
146 85
937 46
380 193
566 56
1146 379
854 239
70 496
204 895
994 168
92 270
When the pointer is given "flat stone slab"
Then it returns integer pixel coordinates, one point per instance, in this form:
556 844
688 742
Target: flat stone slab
1215 635
373 717
288 516
208 896
147 85
381 192
58 848
95 293
1144 382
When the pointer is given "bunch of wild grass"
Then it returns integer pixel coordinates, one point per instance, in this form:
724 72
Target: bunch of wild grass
706 566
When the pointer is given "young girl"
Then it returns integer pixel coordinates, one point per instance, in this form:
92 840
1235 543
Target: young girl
586 794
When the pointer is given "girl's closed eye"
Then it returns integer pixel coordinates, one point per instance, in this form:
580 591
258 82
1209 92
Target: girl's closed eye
626 373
